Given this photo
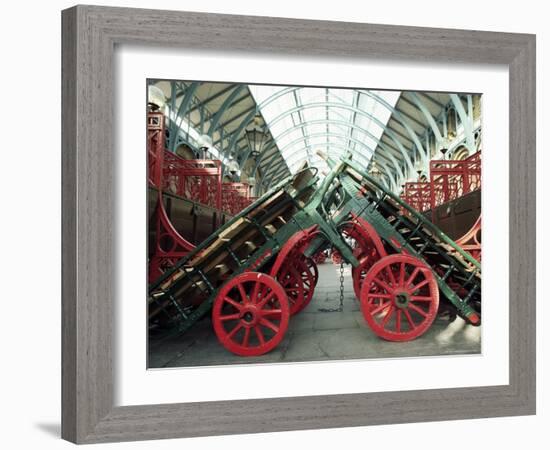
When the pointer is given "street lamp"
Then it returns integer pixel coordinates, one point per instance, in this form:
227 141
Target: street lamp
155 98
374 171
256 138
204 142
233 167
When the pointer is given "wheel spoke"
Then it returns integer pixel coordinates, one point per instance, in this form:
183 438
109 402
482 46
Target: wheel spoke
255 291
271 312
234 330
233 303
388 315
230 317
260 335
409 319
398 321
419 285
382 284
294 289
389 271
401 274
372 295
246 337
269 324
418 310
421 298
244 297
380 308
412 276
264 300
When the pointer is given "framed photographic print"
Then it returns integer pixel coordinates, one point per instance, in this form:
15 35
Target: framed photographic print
266 230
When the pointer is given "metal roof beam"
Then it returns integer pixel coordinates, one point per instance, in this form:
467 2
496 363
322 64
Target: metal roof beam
223 108
431 99
400 134
407 115
213 97
424 110
184 104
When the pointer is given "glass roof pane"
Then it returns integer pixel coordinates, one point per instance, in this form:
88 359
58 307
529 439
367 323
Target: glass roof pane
316 128
342 120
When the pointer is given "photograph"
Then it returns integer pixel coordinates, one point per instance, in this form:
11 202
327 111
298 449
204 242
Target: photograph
292 224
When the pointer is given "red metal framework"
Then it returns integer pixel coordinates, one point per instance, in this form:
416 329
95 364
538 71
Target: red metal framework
449 180
235 197
155 147
452 179
418 195
170 245
198 180
471 241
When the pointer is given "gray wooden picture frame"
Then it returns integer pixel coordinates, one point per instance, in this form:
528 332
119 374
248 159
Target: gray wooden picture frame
90 34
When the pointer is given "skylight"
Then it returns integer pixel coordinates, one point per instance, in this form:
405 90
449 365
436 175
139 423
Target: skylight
304 121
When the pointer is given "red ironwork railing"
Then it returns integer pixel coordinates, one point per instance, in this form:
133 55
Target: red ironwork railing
235 197
418 195
449 180
198 180
452 179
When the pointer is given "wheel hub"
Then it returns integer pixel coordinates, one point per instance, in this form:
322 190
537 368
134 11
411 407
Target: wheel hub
249 316
402 300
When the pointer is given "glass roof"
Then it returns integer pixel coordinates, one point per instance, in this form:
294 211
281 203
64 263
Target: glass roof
304 121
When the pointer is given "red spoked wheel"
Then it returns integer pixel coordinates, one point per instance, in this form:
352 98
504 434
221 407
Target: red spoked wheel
320 258
365 249
250 314
312 267
399 297
309 276
298 282
367 257
291 280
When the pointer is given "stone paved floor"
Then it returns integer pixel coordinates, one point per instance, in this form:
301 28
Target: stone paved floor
315 336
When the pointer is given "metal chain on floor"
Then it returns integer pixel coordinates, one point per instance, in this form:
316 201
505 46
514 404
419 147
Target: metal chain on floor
341 307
